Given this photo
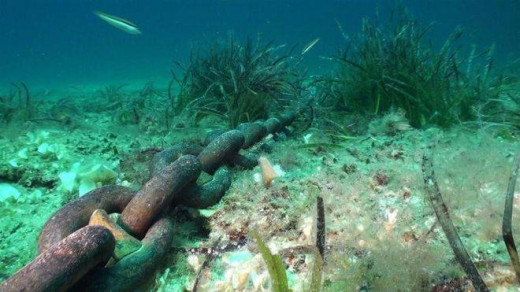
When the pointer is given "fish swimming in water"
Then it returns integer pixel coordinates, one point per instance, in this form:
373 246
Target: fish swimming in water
309 45
119 23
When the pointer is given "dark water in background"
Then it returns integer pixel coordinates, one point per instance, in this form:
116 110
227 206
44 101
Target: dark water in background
53 43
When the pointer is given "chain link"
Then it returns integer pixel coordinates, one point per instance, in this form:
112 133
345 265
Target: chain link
70 249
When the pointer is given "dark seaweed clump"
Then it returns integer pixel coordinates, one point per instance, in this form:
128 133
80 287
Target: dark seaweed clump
234 81
395 67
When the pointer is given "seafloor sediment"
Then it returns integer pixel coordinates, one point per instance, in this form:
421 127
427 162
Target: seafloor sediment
381 232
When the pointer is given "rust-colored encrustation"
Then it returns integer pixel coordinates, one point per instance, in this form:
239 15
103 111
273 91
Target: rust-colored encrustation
76 214
222 147
63 264
157 194
135 269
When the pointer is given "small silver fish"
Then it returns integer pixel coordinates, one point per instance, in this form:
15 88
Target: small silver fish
309 45
119 23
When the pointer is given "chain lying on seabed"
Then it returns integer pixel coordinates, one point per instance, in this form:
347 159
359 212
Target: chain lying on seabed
71 251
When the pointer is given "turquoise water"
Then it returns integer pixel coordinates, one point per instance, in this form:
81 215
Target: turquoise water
51 43
86 105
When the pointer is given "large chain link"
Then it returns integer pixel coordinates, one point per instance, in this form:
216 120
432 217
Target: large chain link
71 250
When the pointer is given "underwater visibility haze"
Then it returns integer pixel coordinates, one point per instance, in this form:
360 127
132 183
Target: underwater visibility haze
48 43
258 145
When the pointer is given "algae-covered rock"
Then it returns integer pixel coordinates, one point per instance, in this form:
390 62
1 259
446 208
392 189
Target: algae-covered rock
86 178
68 180
8 191
98 175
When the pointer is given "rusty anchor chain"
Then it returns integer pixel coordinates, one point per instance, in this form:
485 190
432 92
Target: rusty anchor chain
77 256
76 214
158 193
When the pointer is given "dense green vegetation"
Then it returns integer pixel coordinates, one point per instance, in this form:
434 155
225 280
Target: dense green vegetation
237 82
393 66
387 70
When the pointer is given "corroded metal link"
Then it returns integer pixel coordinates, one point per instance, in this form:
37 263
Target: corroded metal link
135 269
63 264
67 254
158 193
222 147
253 133
287 118
169 155
125 243
212 135
208 194
247 161
273 125
76 214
